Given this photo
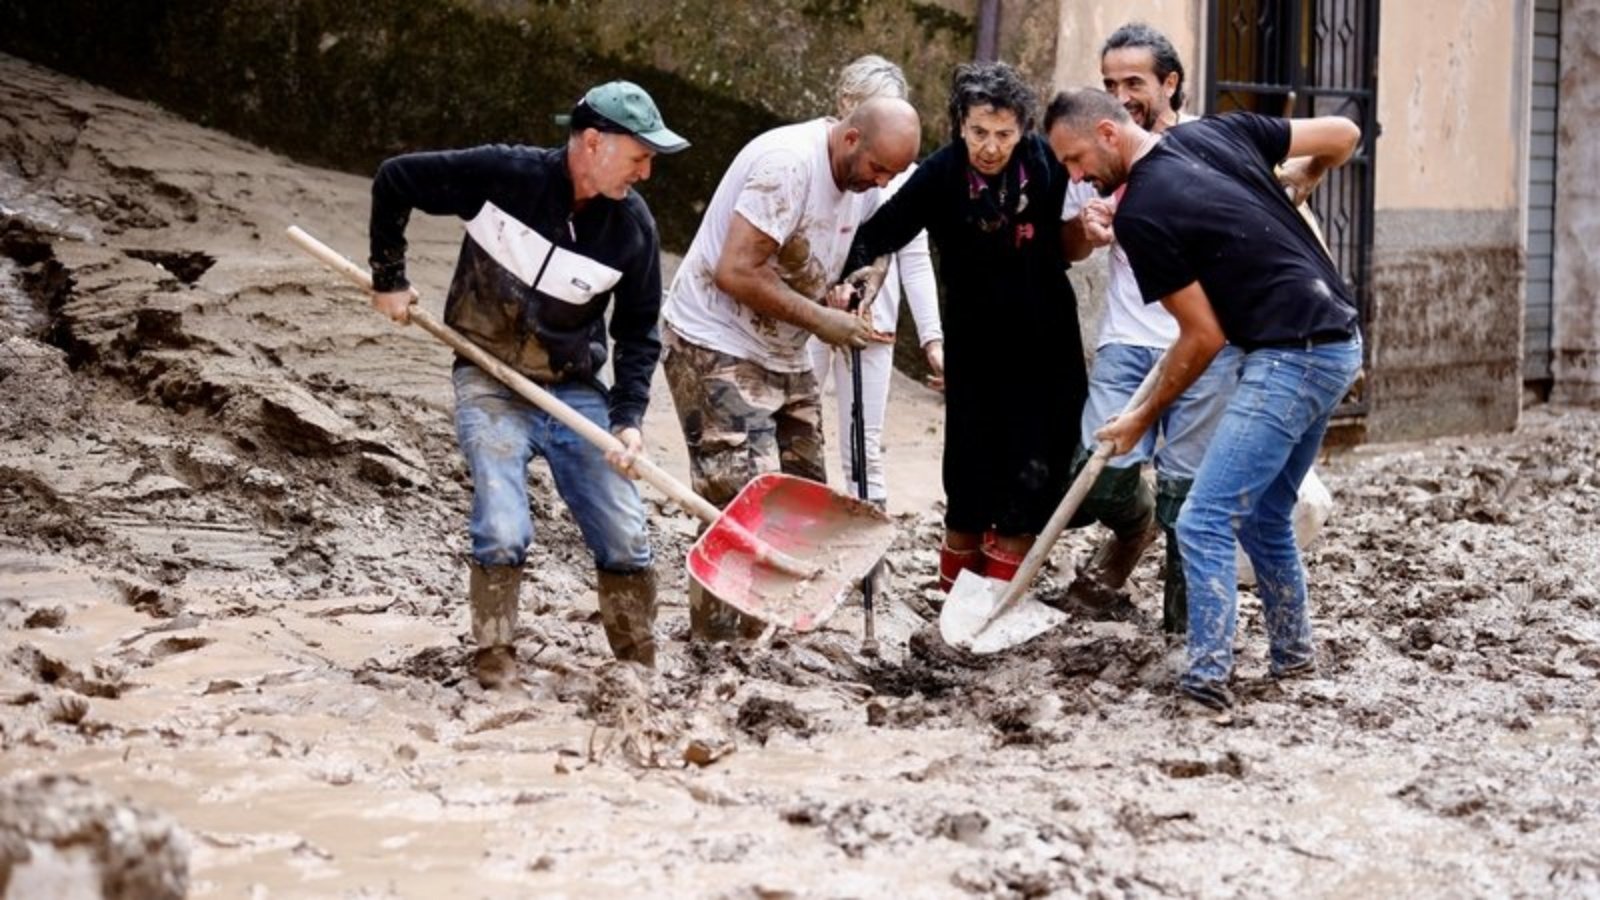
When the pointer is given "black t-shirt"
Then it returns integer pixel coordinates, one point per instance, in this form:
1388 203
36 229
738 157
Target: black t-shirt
1203 205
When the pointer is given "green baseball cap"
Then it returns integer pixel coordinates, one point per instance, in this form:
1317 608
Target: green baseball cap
622 107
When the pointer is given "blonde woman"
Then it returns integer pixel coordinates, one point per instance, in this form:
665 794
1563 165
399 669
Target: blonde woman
911 270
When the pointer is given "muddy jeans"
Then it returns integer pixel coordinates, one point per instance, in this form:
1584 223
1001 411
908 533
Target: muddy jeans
1246 488
1184 427
739 421
500 433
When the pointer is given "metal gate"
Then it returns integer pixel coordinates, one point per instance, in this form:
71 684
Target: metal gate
1310 58
1542 195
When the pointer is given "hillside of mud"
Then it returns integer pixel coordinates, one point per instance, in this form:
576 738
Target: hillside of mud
231 541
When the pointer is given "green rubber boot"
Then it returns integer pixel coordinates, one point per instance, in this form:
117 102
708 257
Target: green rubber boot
1122 501
1170 494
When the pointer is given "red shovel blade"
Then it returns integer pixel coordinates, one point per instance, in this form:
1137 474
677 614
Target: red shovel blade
840 538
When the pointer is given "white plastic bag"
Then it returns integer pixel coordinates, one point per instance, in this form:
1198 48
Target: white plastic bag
1311 512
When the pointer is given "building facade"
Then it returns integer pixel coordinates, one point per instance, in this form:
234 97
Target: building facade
1468 221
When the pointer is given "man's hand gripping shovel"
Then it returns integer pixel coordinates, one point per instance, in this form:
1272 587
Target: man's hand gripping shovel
786 550
985 615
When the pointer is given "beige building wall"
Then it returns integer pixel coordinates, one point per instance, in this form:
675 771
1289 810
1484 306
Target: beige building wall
1453 102
1577 237
1445 327
1084 26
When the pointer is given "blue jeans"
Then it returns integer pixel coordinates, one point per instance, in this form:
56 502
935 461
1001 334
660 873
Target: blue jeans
1246 489
500 433
1186 424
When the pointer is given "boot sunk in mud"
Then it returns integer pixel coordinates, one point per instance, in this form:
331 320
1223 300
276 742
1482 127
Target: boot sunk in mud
1099 582
492 591
628 612
1123 502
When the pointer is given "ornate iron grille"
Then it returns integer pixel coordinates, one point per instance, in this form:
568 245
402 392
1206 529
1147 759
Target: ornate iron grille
1310 58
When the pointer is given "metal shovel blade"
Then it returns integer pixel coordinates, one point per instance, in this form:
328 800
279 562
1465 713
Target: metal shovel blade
972 598
838 538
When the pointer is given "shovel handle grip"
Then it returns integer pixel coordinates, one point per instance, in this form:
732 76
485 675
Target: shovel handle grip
538 396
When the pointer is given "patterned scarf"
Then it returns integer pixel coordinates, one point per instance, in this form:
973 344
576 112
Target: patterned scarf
991 209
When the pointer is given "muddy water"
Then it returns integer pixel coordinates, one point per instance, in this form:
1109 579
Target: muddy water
230 588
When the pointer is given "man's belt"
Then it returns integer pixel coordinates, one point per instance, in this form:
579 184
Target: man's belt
1316 338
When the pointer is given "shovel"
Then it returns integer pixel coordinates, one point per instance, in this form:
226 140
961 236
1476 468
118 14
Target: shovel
986 615
787 550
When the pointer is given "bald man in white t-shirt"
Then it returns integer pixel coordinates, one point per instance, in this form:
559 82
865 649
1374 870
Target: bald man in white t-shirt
750 293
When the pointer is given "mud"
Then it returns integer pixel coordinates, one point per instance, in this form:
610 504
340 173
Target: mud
232 590
1449 354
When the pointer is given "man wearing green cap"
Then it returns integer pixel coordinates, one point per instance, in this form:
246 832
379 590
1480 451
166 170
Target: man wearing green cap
554 236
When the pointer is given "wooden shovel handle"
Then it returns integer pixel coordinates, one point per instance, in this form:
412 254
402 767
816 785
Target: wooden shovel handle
538 396
1046 541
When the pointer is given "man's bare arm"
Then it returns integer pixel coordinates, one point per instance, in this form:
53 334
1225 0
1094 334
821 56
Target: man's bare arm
1075 244
1199 338
1316 146
743 274
860 287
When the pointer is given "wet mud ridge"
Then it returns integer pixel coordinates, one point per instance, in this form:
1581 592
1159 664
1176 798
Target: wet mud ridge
231 541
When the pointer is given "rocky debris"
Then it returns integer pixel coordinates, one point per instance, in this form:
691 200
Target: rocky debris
760 716
38 384
60 837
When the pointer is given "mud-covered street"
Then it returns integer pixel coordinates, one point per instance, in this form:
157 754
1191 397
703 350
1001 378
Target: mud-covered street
232 541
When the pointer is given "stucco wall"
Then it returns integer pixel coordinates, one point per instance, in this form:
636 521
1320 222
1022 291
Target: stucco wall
1452 89
1445 332
1577 260
779 55
1084 27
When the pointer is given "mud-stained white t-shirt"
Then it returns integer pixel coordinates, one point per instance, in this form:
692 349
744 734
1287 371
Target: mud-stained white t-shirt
782 184
1128 319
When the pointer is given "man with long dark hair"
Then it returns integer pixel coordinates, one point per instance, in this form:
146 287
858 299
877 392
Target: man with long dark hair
1140 67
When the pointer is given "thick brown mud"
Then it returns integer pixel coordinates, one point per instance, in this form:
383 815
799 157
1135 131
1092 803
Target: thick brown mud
231 591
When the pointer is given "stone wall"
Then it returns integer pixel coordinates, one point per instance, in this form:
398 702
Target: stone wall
1576 361
345 83
1445 334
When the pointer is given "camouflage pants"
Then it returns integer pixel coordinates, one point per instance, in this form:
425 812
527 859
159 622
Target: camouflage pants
739 421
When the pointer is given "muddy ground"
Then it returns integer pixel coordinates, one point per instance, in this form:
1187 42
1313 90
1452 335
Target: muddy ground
231 533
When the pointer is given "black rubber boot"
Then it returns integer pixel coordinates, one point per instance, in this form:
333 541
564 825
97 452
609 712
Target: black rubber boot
1170 494
492 592
628 612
